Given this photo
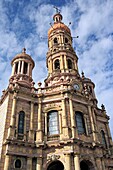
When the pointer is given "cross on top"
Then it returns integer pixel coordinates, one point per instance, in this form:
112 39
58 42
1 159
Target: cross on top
57 9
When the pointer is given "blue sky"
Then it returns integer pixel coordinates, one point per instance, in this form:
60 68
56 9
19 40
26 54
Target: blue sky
25 24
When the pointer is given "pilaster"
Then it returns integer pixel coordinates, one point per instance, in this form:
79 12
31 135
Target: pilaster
74 131
39 164
29 163
76 162
31 132
39 131
6 163
64 120
11 129
68 161
99 164
92 124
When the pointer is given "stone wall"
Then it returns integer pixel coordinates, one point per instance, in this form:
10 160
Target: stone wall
3 111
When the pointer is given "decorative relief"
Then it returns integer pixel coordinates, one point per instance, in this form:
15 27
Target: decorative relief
53 157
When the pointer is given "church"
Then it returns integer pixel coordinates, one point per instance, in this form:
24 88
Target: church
58 126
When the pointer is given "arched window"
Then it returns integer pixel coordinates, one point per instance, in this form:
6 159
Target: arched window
21 122
52 123
80 123
66 40
18 163
57 64
69 63
103 138
55 40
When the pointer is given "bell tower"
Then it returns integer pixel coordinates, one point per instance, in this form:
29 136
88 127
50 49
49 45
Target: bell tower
61 57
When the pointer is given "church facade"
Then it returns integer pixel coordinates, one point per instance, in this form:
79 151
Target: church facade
58 126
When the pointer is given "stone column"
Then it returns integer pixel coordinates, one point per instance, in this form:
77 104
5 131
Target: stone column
45 120
64 120
61 63
19 64
72 118
103 165
28 69
76 162
99 164
29 163
65 62
39 164
6 163
13 69
50 66
39 131
68 161
60 123
92 123
22 68
86 126
31 132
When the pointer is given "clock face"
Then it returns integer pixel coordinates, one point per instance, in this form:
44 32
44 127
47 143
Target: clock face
76 87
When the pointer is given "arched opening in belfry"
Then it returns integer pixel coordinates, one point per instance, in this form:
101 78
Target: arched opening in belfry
25 67
69 63
16 68
56 165
55 40
57 64
86 165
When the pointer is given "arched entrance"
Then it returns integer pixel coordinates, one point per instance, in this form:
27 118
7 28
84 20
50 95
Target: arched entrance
86 165
56 165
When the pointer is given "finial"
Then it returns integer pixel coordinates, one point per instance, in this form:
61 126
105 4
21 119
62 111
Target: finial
82 74
103 107
39 84
57 10
24 50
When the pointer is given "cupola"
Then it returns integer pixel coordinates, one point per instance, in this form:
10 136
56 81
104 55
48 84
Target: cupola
22 66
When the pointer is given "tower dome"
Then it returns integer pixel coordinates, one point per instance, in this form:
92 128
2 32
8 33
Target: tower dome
22 66
58 25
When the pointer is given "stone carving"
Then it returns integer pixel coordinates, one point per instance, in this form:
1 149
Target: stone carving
53 157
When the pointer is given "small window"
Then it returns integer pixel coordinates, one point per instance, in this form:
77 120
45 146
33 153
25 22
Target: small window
55 40
21 122
57 64
80 123
66 40
52 123
69 63
18 163
103 138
